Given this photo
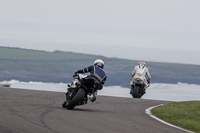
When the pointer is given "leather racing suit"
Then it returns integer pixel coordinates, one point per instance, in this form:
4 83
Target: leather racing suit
141 72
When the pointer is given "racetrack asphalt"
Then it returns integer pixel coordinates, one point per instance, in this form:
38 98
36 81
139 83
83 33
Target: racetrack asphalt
31 111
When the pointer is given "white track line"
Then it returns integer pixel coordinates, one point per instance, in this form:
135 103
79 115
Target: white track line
148 111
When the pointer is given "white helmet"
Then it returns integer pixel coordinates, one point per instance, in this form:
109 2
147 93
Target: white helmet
141 64
99 63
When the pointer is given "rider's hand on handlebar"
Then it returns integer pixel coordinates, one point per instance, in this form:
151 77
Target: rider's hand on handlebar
75 75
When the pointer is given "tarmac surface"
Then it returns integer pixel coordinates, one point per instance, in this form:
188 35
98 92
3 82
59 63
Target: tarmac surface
29 111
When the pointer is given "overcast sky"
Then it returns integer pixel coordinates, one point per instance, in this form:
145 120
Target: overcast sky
129 24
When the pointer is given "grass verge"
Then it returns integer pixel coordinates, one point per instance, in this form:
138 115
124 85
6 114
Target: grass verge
182 114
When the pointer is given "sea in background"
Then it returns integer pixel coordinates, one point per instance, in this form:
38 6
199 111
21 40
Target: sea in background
156 91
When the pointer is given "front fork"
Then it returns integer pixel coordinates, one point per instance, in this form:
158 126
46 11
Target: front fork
131 88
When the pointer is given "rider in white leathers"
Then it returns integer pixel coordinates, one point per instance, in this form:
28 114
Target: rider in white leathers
141 71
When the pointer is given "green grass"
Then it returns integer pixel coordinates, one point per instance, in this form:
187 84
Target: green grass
182 114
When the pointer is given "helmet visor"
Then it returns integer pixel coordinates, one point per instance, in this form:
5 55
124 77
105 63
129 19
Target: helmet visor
99 64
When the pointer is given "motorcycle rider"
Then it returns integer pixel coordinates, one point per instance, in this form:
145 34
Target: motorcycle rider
140 71
97 72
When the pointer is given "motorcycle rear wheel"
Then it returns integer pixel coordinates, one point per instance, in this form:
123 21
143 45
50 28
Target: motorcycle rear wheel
76 99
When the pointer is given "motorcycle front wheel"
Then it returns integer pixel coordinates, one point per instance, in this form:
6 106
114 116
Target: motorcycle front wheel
136 92
76 99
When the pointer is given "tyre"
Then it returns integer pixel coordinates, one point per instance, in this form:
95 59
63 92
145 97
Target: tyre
64 104
76 99
136 92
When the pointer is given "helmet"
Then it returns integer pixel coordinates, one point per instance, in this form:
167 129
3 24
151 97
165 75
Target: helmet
141 63
99 63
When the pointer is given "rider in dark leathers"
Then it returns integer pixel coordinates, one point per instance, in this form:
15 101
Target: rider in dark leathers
97 72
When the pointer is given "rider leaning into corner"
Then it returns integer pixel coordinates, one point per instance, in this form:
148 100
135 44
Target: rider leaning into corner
141 72
97 72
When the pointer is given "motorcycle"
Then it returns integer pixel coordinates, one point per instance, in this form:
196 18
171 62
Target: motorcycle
137 88
82 88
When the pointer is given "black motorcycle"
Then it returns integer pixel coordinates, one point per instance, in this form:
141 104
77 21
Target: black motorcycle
137 88
80 91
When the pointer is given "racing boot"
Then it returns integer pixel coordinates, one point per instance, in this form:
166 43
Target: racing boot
92 97
73 85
